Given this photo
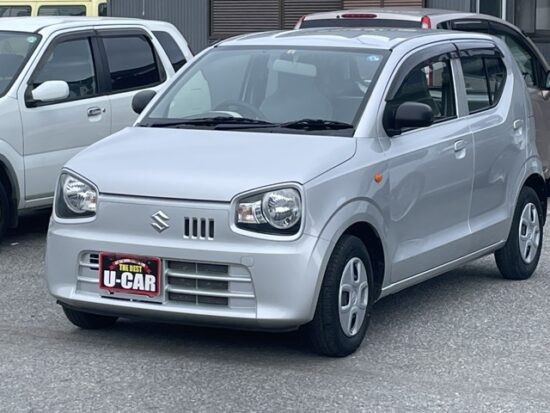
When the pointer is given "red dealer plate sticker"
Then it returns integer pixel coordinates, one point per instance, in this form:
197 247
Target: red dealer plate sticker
129 274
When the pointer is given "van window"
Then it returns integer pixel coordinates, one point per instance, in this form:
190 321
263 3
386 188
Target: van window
484 78
15 11
72 62
132 62
172 49
102 9
62 11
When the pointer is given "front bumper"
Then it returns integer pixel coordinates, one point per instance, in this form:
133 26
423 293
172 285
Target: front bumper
262 284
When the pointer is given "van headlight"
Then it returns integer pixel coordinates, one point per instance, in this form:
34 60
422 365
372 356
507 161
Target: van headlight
75 198
277 212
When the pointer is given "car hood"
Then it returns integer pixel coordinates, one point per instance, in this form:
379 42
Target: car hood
204 164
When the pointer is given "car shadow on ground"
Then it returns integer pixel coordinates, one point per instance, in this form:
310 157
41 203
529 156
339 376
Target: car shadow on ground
32 224
392 313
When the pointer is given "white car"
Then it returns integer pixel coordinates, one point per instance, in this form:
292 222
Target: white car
66 83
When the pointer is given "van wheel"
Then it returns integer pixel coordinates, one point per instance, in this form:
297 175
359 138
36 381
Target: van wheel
519 257
345 301
88 321
5 211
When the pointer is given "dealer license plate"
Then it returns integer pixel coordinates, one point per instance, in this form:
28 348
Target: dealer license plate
119 273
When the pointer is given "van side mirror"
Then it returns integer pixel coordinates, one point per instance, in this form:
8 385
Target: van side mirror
141 100
412 115
51 91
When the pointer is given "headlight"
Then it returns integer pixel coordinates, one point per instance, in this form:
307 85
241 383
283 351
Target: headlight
75 198
276 212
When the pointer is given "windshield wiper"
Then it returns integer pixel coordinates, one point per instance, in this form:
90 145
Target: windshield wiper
209 122
316 125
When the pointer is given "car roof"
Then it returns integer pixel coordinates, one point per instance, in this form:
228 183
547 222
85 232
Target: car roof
401 13
374 38
50 24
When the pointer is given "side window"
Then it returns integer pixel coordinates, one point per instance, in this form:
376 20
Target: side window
525 60
62 11
172 49
431 83
15 11
70 61
102 9
132 63
484 79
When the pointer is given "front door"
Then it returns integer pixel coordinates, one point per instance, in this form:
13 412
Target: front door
56 131
431 174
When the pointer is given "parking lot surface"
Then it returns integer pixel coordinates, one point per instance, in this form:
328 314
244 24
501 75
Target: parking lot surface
466 341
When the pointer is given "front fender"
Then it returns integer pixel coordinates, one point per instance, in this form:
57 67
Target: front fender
360 210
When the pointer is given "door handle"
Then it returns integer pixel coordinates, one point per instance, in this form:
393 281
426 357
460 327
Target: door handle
518 124
460 145
95 111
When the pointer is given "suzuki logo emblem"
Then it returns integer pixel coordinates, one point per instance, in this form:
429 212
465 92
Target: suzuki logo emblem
159 221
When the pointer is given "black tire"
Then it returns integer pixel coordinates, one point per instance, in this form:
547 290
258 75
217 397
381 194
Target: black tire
89 321
5 211
509 258
325 333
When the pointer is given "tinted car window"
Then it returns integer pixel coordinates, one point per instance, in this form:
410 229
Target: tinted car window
72 62
360 23
102 9
172 49
62 11
132 62
431 83
484 78
15 11
523 57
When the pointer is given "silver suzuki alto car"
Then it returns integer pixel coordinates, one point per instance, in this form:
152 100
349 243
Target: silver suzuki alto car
291 179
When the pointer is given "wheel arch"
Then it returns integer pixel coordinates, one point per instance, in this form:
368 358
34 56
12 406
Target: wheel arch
8 179
538 184
360 218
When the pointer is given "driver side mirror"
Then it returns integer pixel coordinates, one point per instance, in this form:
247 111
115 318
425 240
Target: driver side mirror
51 91
411 115
141 100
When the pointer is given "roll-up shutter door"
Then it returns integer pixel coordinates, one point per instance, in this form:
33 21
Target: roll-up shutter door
294 9
355 4
233 17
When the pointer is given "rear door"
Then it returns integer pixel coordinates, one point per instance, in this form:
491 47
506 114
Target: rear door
132 64
54 132
431 169
497 118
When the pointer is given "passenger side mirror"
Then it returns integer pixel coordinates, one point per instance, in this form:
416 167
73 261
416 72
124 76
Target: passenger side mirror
141 100
51 91
412 115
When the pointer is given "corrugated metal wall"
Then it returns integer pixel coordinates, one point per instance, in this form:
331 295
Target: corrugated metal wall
191 17
462 5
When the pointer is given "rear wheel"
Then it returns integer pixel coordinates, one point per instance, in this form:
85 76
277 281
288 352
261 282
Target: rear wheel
345 300
5 211
519 257
88 321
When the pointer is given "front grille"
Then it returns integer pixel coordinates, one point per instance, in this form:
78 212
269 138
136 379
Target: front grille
185 283
206 284
198 228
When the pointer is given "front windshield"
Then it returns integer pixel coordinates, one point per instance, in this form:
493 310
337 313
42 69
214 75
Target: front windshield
324 89
15 49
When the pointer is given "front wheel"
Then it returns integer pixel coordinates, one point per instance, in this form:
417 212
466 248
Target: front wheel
345 300
519 257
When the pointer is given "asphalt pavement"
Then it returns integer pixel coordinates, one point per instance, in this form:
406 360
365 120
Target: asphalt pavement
466 341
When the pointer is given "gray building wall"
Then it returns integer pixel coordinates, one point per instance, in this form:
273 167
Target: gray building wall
191 17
